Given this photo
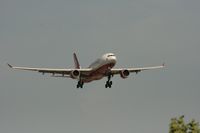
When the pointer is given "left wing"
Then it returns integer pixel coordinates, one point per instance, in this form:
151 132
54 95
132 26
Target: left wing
51 70
136 70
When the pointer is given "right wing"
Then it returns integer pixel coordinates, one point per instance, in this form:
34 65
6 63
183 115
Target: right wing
52 70
136 70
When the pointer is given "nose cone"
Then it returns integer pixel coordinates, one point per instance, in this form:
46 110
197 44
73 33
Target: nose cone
113 59
110 58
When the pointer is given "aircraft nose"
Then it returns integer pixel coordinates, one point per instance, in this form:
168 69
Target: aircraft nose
113 59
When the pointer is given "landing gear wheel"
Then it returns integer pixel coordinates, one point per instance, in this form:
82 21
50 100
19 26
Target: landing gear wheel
108 84
77 86
80 84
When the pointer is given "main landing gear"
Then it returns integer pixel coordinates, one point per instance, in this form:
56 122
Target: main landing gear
80 84
108 83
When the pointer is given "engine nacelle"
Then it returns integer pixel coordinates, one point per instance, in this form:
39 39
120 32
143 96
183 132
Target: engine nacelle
124 74
75 74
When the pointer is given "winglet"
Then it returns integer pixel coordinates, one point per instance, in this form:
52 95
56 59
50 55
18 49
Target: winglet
10 65
163 64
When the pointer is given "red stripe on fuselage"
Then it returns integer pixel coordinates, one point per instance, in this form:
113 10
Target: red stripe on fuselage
98 74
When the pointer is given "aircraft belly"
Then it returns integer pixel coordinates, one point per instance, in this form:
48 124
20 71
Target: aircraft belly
98 73
92 78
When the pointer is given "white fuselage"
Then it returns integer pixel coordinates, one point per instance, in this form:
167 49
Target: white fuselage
101 67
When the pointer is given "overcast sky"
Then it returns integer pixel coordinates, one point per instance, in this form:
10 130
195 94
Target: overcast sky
45 33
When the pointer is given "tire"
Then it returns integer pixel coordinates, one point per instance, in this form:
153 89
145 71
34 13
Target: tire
106 85
109 85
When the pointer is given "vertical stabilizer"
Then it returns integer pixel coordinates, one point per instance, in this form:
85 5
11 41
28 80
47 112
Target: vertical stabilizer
76 63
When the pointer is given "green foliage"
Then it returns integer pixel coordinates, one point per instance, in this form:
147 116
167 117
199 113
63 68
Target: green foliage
179 126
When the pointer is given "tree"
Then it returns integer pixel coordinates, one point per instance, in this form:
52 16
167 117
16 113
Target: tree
179 126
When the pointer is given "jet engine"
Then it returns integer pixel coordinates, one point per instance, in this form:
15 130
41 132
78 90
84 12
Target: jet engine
124 74
75 74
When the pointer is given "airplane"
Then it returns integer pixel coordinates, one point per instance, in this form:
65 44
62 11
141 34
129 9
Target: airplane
102 67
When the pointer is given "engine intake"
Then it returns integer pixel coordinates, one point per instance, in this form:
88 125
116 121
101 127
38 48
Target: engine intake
124 74
75 74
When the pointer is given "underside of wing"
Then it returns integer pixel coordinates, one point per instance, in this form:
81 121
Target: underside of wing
132 70
52 70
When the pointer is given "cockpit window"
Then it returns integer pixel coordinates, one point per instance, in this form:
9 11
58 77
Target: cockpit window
110 55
